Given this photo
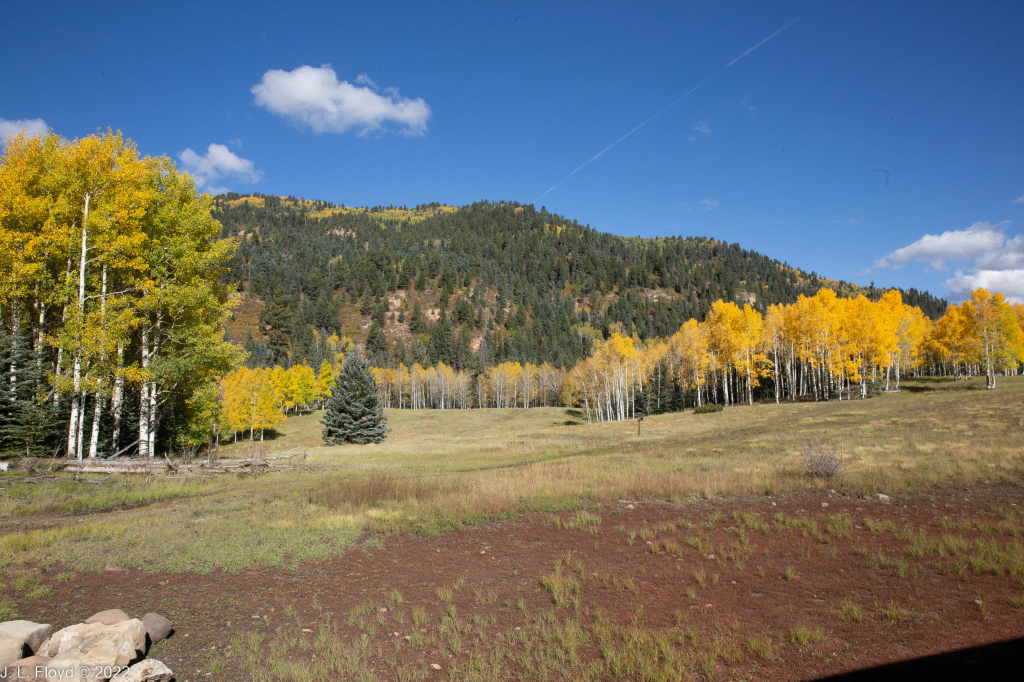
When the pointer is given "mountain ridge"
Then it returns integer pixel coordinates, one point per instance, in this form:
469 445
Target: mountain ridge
518 282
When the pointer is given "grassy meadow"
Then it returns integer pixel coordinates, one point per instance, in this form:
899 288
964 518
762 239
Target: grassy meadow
443 470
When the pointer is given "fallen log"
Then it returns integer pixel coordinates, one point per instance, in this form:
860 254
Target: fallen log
117 468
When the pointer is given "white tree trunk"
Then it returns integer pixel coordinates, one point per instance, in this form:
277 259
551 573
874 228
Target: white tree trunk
97 412
74 426
144 397
117 399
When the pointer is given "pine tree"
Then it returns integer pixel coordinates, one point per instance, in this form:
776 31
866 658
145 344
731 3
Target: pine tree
377 344
417 322
439 348
27 421
278 321
354 413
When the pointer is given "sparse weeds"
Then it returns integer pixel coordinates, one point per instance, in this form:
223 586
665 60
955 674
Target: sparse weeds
894 612
760 647
484 598
583 520
712 520
840 526
563 588
805 635
876 526
849 611
983 607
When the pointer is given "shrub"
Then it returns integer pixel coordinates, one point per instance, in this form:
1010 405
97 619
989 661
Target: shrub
707 408
821 460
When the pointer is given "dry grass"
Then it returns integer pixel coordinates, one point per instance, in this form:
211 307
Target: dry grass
446 469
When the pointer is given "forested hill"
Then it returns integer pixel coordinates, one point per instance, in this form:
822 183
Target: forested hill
505 281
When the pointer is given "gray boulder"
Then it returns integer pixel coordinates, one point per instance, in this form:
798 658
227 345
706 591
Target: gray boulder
108 617
157 627
11 650
150 670
32 634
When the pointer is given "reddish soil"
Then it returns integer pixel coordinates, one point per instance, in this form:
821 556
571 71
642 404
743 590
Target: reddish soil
509 559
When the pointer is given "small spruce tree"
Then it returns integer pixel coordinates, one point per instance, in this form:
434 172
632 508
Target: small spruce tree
354 413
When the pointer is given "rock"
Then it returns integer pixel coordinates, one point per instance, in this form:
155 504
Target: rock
11 650
150 670
157 627
32 634
108 617
435 666
28 669
112 568
116 646
824 504
130 631
69 638
882 498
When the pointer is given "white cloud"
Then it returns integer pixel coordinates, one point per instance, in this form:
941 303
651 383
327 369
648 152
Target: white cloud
33 126
747 105
1019 200
998 262
235 142
709 204
702 127
974 242
316 98
363 79
219 163
1010 283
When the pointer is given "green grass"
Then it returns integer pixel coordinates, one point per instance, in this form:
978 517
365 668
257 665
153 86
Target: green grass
448 469
849 611
805 635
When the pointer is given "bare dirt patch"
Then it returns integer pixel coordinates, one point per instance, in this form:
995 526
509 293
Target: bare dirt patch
739 588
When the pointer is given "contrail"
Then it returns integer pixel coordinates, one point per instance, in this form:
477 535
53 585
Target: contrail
671 104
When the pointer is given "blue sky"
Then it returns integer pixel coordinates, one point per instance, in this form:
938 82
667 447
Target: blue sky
867 141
